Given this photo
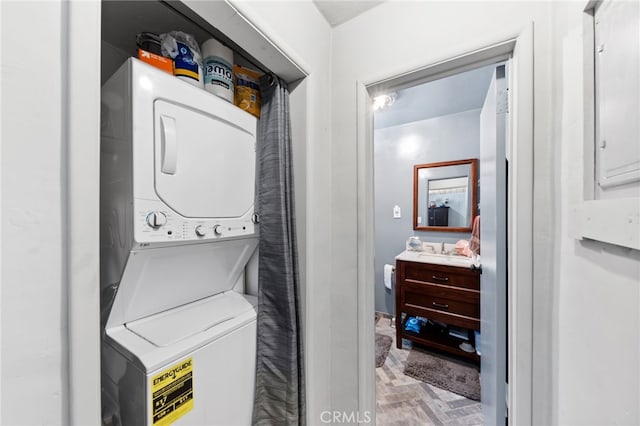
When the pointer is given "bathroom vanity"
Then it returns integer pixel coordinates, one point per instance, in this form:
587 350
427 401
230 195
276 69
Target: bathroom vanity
443 289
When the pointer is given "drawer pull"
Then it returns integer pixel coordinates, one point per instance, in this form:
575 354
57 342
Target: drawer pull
440 305
435 277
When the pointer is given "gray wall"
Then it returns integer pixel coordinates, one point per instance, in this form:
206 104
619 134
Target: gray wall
396 150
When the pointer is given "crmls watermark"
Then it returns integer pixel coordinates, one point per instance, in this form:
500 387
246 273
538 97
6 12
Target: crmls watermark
337 417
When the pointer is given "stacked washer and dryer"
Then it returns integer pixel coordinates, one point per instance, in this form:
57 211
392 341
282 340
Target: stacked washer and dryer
177 228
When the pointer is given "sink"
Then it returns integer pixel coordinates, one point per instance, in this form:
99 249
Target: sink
431 254
445 259
436 249
452 253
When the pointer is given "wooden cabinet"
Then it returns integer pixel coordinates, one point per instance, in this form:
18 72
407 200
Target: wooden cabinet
442 294
438 216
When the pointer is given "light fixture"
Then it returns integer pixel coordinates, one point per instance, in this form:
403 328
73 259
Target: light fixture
383 101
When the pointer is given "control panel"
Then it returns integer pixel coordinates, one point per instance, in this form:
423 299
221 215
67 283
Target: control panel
156 223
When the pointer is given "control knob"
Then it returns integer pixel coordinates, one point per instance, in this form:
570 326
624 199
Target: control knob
201 231
156 219
218 230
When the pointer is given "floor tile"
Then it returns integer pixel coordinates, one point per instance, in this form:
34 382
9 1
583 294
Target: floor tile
403 400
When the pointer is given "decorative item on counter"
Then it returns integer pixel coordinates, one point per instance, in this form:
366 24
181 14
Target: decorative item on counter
247 90
150 51
218 74
462 248
414 244
184 50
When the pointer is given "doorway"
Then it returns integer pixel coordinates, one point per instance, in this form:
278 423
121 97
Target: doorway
519 52
431 141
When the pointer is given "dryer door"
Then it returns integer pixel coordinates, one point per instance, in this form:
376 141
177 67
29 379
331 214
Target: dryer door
204 165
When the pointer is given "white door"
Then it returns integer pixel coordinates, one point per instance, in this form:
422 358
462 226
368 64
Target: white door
493 247
204 165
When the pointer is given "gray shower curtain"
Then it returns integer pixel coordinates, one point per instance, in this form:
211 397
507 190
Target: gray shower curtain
280 386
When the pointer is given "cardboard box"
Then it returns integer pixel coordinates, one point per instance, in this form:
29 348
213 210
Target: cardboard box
160 62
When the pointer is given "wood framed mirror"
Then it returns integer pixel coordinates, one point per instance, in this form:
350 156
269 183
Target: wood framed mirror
445 196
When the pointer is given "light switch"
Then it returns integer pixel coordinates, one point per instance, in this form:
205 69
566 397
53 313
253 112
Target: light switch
396 212
419 220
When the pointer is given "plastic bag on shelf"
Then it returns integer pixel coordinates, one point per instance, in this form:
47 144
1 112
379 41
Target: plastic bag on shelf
185 52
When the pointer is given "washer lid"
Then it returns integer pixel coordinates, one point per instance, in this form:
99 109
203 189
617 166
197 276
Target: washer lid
169 327
159 279
204 164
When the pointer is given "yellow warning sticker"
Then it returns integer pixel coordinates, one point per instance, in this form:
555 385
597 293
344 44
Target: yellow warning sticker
172 393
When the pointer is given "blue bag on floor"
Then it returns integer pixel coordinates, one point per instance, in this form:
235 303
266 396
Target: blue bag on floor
412 324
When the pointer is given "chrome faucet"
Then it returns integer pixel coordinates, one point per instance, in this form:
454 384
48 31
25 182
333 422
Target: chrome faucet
442 248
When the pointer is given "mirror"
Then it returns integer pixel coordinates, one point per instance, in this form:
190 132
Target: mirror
445 196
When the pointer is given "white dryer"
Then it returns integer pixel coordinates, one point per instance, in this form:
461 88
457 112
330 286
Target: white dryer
177 230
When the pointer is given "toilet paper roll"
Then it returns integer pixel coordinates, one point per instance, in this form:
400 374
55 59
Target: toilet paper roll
388 274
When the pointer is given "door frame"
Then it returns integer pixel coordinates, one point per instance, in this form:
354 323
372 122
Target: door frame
519 48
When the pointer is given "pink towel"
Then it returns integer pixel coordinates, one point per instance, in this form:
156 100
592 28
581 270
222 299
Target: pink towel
462 247
474 242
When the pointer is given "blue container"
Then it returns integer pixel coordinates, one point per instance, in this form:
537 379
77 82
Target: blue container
412 325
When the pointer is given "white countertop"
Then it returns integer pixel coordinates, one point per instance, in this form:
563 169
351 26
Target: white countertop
438 259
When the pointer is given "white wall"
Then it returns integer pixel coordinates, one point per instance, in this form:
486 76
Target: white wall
34 332
586 295
391 39
34 370
596 320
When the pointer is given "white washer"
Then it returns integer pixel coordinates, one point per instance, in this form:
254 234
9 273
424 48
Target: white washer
177 230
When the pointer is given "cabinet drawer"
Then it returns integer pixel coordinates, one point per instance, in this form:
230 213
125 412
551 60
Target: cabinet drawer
434 299
444 292
445 317
444 275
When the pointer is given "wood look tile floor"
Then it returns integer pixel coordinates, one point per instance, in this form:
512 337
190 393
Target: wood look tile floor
403 400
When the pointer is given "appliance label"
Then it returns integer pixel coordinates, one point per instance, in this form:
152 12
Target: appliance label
172 393
184 64
217 72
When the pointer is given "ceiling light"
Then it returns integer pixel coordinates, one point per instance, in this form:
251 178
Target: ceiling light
383 101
